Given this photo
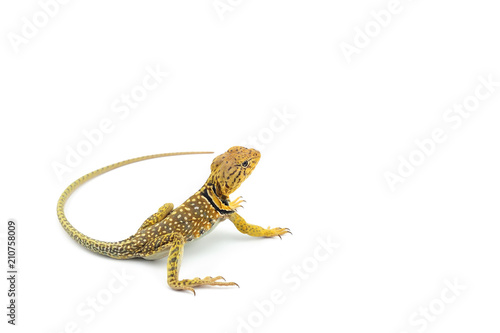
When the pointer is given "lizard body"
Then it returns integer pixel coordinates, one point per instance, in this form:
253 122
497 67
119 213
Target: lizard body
165 232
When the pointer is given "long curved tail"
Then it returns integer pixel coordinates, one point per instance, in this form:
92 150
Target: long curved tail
111 249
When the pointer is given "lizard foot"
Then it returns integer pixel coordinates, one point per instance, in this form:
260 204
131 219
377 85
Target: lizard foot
235 204
276 232
188 284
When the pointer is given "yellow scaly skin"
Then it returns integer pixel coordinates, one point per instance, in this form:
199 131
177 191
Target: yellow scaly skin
165 232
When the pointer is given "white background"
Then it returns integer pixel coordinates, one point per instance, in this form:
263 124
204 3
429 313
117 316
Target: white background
322 172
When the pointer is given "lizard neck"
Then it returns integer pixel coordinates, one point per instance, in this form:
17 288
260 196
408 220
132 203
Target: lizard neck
219 202
212 184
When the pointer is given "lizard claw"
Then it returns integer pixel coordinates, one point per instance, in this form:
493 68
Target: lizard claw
235 204
276 232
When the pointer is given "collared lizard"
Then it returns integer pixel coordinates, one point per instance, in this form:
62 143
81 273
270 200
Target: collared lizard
165 232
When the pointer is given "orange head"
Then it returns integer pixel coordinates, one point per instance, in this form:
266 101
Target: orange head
229 170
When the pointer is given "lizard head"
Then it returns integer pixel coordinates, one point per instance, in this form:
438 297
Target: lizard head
229 170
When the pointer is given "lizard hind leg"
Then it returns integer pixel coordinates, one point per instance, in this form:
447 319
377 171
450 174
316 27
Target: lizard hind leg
158 216
173 266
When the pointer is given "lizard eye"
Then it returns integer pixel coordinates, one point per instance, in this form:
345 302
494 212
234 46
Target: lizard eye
244 164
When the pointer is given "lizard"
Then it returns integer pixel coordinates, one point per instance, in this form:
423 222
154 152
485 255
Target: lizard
165 232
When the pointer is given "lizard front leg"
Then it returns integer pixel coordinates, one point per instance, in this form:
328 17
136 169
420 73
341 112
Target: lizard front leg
158 216
173 267
255 230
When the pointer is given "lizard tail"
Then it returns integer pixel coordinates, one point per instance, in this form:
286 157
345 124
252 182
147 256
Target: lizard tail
111 249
